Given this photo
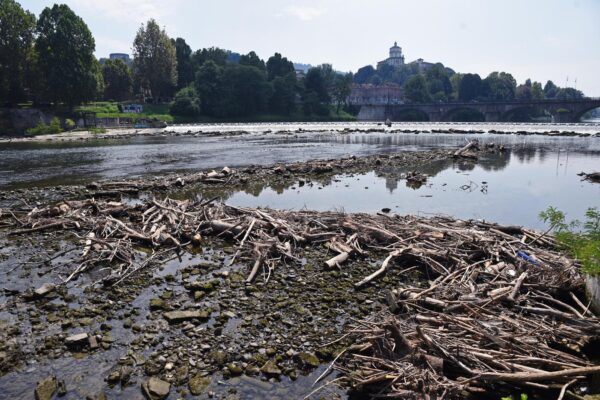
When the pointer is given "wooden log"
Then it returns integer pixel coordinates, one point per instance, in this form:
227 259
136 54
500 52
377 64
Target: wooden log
384 266
538 376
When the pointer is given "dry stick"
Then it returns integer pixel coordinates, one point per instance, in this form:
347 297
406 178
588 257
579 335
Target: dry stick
383 267
242 242
329 367
257 264
538 376
515 291
563 390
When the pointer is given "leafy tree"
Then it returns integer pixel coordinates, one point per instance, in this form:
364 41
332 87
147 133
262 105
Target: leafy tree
537 92
438 82
118 83
17 28
186 103
550 90
523 92
155 61
470 87
316 82
569 93
415 90
207 84
342 89
65 48
283 99
253 60
502 86
214 54
364 74
243 91
278 66
185 69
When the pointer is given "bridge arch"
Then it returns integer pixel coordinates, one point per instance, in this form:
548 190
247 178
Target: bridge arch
464 114
525 113
579 115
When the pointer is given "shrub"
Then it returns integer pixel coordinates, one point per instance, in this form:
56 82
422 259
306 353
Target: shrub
186 103
582 241
43 129
69 124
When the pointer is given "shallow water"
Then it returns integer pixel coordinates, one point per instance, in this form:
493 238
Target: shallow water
49 164
509 188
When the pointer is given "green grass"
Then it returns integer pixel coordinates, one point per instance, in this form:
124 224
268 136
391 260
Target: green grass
104 109
43 129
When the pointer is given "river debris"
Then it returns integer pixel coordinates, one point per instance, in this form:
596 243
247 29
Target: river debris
592 176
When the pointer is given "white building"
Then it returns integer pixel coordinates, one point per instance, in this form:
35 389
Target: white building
396 58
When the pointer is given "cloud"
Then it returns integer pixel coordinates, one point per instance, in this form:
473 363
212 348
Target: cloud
128 10
305 13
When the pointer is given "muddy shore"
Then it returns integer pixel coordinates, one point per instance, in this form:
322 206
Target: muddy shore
272 337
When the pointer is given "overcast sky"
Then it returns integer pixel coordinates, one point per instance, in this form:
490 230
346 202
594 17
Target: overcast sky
540 39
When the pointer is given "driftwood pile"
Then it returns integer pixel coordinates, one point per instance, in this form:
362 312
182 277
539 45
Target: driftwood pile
592 176
498 303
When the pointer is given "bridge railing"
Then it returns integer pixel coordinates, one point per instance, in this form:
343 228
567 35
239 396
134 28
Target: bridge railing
475 102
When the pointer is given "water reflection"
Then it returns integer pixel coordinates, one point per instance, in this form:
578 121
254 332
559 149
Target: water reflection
510 188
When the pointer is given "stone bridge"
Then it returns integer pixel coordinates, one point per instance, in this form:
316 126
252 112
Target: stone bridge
560 110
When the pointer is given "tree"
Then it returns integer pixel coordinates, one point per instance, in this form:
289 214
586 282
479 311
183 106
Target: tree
243 91
207 84
316 82
569 93
470 87
118 83
342 89
364 74
278 66
65 48
17 28
214 54
550 90
154 61
283 99
415 90
253 60
502 86
537 92
185 69
439 86
185 103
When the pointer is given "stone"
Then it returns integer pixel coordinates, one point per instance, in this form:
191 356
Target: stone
309 360
234 369
270 369
76 340
45 388
45 289
157 304
174 317
93 342
156 389
198 384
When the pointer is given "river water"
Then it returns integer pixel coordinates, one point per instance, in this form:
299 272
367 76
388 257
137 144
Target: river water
512 188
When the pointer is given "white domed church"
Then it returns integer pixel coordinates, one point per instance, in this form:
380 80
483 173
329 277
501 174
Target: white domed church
396 58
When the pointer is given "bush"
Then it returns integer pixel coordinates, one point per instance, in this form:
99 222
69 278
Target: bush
582 241
186 103
43 129
69 124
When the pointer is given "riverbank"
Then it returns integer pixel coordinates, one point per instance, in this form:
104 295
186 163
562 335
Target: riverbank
179 293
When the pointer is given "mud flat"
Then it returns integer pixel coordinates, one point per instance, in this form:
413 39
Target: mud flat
155 288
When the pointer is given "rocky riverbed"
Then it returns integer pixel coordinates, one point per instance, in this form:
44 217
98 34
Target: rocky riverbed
190 323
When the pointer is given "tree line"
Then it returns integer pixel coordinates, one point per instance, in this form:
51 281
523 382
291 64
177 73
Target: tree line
50 60
438 83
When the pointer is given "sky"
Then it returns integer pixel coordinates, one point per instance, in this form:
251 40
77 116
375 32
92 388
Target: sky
538 39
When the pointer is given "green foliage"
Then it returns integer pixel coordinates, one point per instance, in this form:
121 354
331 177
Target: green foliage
283 99
17 28
214 54
415 90
278 66
118 83
155 61
111 110
342 89
185 68
186 103
96 131
253 60
582 241
501 86
69 124
43 129
65 48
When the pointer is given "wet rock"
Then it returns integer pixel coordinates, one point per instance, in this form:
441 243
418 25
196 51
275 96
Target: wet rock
45 289
76 340
45 389
157 304
234 369
309 360
174 317
93 342
270 369
198 384
156 389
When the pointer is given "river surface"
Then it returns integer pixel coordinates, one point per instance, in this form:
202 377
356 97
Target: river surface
511 188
